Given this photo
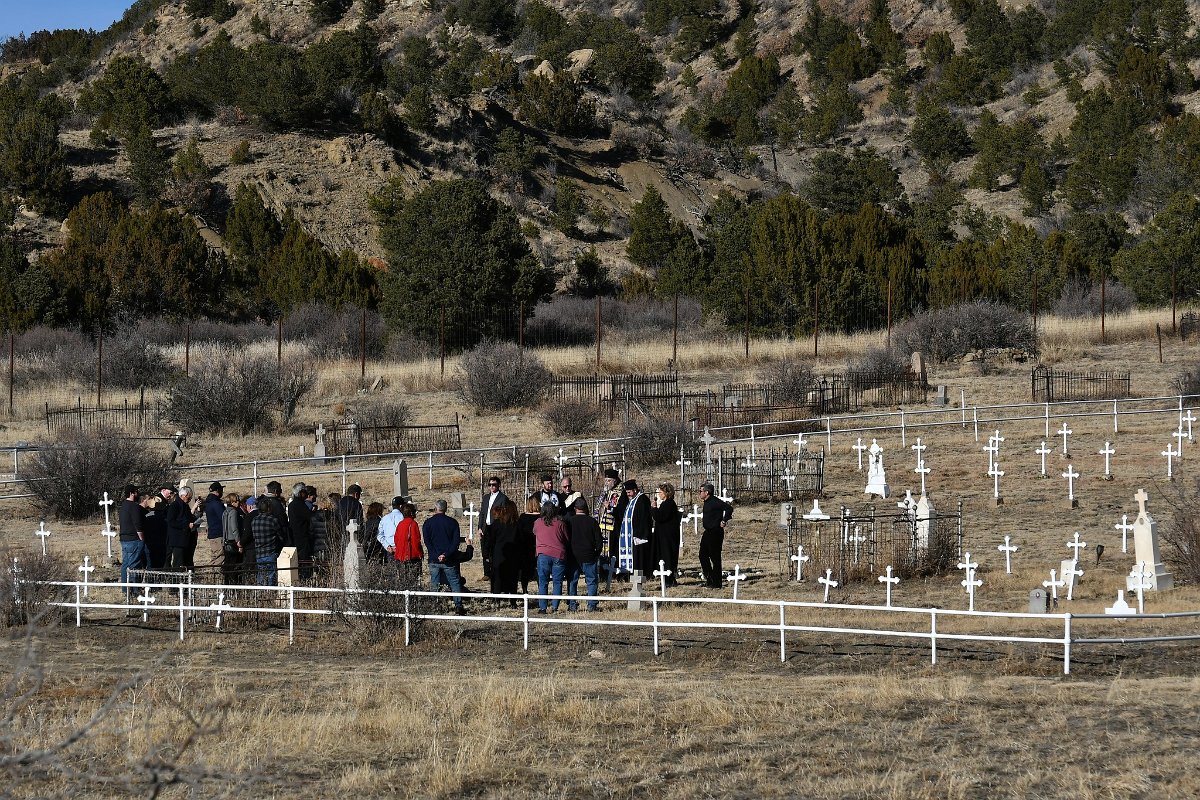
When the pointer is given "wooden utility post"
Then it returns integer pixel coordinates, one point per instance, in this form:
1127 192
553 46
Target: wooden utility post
279 344
747 322
442 337
187 350
675 332
99 366
598 332
362 344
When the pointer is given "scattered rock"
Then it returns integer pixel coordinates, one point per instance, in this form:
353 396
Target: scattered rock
544 70
579 60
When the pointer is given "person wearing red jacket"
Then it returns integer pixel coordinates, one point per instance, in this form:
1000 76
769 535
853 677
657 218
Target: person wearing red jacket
409 554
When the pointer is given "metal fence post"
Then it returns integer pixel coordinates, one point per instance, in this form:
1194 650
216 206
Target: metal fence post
1067 645
933 636
782 637
654 610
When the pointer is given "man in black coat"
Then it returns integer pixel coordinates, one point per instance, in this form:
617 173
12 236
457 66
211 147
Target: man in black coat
349 507
585 552
716 512
181 532
300 523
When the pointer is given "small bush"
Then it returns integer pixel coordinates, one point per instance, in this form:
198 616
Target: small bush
1081 298
1187 382
24 593
876 366
653 443
563 322
498 375
335 333
573 418
131 362
240 154
223 394
948 333
790 378
379 412
68 475
1181 536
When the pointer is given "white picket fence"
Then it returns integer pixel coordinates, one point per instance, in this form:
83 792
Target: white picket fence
179 599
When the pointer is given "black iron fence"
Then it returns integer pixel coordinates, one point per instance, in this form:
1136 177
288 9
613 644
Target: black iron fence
348 438
1051 385
140 417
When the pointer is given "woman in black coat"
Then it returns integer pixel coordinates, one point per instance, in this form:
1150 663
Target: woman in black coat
664 541
526 548
503 550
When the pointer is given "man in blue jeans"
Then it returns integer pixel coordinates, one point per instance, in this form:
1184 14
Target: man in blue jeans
585 552
133 535
441 537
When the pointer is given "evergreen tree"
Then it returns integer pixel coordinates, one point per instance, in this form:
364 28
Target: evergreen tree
148 165
129 95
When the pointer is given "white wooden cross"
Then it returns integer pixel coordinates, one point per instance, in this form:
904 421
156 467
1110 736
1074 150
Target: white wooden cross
1124 527
662 573
922 470
471 515
693 518
860 447
708 439
1188 418
1053 584
857 539
682 463
800 442
1179 436
1076 546
888 581
736 578
749 463
87 569
996 474
725 496
920 450
105 503
788 478
146 599
967 564
1070 575
1070 475
992 448
828 582
1065 432
1008 549
220 607
1170 454
971 583
109 534
1107 451
44 533
1043 451
562 460
1141 582
800 558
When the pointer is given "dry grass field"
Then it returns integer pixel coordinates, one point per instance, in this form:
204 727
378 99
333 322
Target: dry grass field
590 712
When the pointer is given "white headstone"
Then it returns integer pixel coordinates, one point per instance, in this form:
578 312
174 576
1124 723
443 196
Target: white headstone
400 479
1120 607
1070 573
287 566
635 591
815 514
350 565
925 516
876 476
1145 545
319 444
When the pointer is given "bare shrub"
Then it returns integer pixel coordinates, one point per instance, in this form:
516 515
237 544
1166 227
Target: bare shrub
131 362
876 366
1187 382
653 442
378 612
336 333
562 322
948 333
1081 298
24 593
224 394
381 412
1181 536
237 334
791 378
68 475
572 418
498 375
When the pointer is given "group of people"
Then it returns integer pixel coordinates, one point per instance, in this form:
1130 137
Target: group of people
557 537
242 535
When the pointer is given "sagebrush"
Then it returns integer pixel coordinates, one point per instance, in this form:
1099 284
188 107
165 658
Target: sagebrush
500 375
953 332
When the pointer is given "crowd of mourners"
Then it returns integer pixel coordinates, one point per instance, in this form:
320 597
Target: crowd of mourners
556 536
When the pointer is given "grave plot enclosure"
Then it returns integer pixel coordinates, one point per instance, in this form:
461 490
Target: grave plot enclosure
1051 385
140 417
348 438
764 476
859 545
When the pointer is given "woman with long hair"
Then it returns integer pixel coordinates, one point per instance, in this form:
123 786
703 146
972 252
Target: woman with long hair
526 544
504 550
553 542
664 540
373 552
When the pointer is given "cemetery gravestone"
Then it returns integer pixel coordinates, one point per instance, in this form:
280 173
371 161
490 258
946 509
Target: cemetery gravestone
635 591
287 566
1039 601
350 566
1145 546
876 477
926 516
400 480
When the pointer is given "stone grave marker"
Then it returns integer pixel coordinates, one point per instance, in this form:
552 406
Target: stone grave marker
918 367
319 444
287 565
876 476
1145 546
400 479
1039 601
1070 573
939 397
350 565
1120 607
815 514
925 515
635 591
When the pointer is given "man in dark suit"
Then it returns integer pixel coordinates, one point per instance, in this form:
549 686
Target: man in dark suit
493 498
181 531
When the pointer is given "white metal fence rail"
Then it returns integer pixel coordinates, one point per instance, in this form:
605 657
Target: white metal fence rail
178 599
